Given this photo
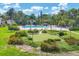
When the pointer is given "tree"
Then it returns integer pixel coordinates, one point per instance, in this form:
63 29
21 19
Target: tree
10 13
32 16
20 18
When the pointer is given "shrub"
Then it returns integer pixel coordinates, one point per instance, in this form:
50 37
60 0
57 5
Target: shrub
53 32
30 31
15 40
46 47
57 40
74 28
72 41
49 41
33 31
12 27
61 34
44 31
30 38
31 43
21 33
49 46
17 34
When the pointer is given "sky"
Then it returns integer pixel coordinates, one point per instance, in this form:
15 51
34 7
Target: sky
35 8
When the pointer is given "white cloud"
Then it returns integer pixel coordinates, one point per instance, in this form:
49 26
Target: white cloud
46 13
63 6
16 5
27 11
2 11
7 3
6 7
55 12
46 8
60 6
54 8
38 1
37 8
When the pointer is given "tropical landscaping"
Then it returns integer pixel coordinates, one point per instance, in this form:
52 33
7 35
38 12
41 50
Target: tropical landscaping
16 42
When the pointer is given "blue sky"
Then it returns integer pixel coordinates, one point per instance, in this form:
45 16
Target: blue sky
29 8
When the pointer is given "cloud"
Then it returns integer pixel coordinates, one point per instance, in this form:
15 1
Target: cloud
63 6
6 7
27 11
56 9
2 11
17 5
46 13
55 12
37 8
37 1
7 3
60 6
46 8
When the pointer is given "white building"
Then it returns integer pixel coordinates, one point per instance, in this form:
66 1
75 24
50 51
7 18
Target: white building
10 22
2 21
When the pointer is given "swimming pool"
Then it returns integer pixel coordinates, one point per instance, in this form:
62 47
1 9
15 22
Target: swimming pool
34 26
39 27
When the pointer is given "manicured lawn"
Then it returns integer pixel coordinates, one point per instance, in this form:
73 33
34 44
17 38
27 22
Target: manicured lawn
6 50
42 37
13 51
74 34
4 34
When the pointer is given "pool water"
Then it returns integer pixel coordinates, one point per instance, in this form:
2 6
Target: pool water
34 26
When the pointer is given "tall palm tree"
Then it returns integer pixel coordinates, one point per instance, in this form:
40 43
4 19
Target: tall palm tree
10 13
72 22
41 16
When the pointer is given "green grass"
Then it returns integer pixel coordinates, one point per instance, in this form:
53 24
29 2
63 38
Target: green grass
10 50
37 38
65 46
13 51
42 37
4 34
74 34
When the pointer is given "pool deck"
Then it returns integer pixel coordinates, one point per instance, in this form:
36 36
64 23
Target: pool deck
48 28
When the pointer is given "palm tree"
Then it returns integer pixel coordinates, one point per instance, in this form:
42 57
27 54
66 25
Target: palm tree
72 22
41 16
32 17
10 13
